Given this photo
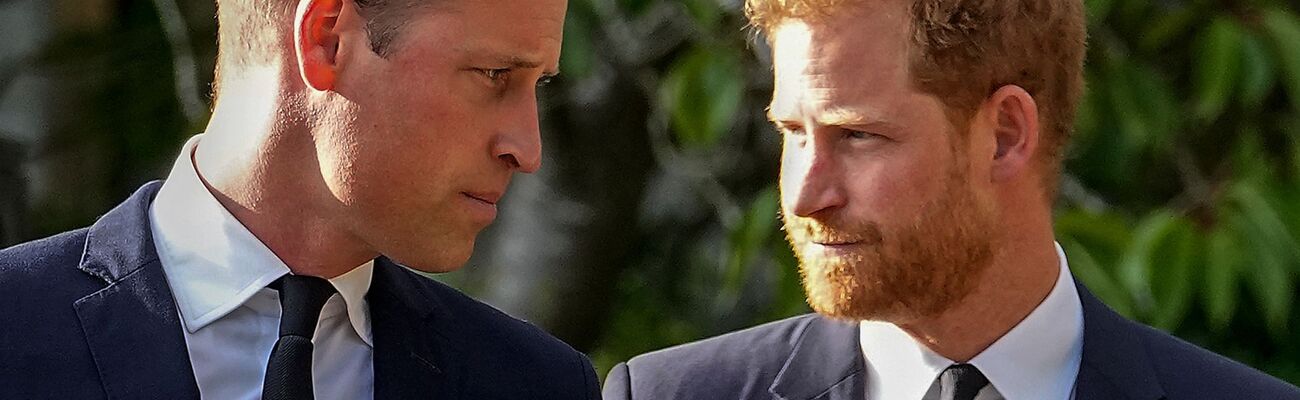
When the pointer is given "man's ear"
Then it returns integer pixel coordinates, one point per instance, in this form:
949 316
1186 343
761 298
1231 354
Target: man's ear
316 41
1013 116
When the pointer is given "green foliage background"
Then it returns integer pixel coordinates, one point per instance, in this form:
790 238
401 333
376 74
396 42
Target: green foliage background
1180 206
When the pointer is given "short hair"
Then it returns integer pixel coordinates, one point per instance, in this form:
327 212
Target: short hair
964 50
385 19
248 29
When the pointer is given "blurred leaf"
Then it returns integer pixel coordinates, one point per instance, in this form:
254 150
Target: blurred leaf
1134 129
790 298
704 92
1104 235
1169 25
1087 122
1099 282
1158 105
1294 139
1130 13
754 232
1135 268
763 217
1143 105
1248 153
1098 10
1288 207
635 7
1273 289
1172 275
1284 29
578 51
1216 71
1222 262
1258 73
1265 218
1271 248
705 12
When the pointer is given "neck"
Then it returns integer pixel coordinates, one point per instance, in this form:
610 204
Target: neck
258 159
1021 274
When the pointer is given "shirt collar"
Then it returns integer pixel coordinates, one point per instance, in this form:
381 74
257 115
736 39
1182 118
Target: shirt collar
897 366
214 264
353 286
1037 359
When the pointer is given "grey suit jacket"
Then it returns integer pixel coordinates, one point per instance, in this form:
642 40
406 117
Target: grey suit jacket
810 357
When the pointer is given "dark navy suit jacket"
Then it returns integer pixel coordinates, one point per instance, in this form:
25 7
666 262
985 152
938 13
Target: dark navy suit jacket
810 357
88 315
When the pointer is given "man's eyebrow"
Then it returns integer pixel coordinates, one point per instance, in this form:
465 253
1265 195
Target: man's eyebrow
520 62
853 114
524 63
836 117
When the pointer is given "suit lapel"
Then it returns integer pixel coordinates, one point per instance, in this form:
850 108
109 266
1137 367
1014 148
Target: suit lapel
131 325
826 364
1115 363
412 360
1092 384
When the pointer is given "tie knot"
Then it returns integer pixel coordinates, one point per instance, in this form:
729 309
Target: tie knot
961 382
301 299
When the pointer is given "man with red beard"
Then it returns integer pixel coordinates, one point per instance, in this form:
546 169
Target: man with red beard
922 144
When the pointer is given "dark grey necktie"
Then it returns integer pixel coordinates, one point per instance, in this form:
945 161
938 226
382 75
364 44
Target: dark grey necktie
288 370
961 382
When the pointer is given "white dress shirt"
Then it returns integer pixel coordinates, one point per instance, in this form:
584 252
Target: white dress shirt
1038 359
218 272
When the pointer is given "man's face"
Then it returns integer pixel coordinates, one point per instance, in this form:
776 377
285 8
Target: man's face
877 192
424 141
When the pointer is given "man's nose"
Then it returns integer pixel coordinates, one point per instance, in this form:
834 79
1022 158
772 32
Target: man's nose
519 145
813 180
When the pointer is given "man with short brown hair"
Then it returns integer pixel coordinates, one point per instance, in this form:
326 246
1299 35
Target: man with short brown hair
922 142
351 141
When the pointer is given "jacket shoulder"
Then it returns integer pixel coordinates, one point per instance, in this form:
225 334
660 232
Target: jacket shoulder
743 363
1188 371
44 264
41 342
483 319
507 346
758 346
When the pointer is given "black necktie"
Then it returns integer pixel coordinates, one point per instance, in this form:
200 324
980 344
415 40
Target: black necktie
961 382
288 371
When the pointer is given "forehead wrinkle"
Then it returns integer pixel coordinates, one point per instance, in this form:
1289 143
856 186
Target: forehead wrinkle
832 98
508 53
850 114
820 77
840 95
530 35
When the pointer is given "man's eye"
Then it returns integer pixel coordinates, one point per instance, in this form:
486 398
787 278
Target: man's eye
496 75
852 134
791 130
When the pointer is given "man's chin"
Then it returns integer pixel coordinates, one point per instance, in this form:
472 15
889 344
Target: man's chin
434 268
896 317
844 292
434 260
858 311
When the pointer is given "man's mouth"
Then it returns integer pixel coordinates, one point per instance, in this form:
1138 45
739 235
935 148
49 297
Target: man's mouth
837 243
835 240
490 198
